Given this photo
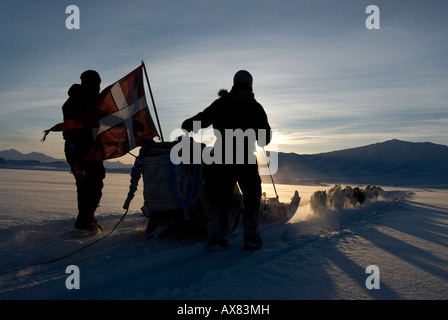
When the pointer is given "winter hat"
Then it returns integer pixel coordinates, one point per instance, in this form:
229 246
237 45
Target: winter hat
243 77
90 76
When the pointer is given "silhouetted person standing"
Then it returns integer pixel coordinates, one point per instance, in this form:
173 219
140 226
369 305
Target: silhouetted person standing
89 176
234 110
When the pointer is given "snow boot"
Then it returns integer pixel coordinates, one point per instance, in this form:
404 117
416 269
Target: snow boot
253 243
88 231
99 226
215 245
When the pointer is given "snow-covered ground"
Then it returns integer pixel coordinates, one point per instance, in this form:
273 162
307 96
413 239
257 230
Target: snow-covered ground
405 235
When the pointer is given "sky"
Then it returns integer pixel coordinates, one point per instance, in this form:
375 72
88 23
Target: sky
325 80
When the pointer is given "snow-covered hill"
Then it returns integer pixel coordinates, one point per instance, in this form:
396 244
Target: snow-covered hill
392 162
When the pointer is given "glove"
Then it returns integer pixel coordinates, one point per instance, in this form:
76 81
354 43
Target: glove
187 125
79 174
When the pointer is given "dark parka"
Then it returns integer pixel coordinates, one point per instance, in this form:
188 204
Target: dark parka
236 109
78 142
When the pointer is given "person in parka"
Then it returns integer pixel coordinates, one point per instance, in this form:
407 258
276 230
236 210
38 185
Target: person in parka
78 142
236 112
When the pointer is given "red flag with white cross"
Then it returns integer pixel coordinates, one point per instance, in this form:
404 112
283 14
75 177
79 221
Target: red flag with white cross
121 119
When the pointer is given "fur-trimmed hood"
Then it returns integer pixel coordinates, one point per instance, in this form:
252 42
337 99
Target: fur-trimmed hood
237 95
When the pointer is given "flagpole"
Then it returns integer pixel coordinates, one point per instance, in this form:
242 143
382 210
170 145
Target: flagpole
153 103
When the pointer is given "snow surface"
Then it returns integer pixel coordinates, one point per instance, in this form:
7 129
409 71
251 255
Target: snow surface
312 257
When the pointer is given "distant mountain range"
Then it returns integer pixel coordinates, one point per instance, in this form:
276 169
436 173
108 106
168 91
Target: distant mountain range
13 159
13 154
392 162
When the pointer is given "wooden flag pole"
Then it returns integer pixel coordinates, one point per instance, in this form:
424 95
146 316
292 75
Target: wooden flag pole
153 103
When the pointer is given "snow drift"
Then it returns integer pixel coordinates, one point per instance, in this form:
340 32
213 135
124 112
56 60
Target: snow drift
312 257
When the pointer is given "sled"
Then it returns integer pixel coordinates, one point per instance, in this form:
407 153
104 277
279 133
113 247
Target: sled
175 205
273 211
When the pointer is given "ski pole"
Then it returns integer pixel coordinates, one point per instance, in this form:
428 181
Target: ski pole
270 173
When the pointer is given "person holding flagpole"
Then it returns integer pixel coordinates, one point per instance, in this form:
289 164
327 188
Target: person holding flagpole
78 143
101 126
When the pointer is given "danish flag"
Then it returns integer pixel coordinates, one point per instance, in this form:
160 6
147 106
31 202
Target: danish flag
121 119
